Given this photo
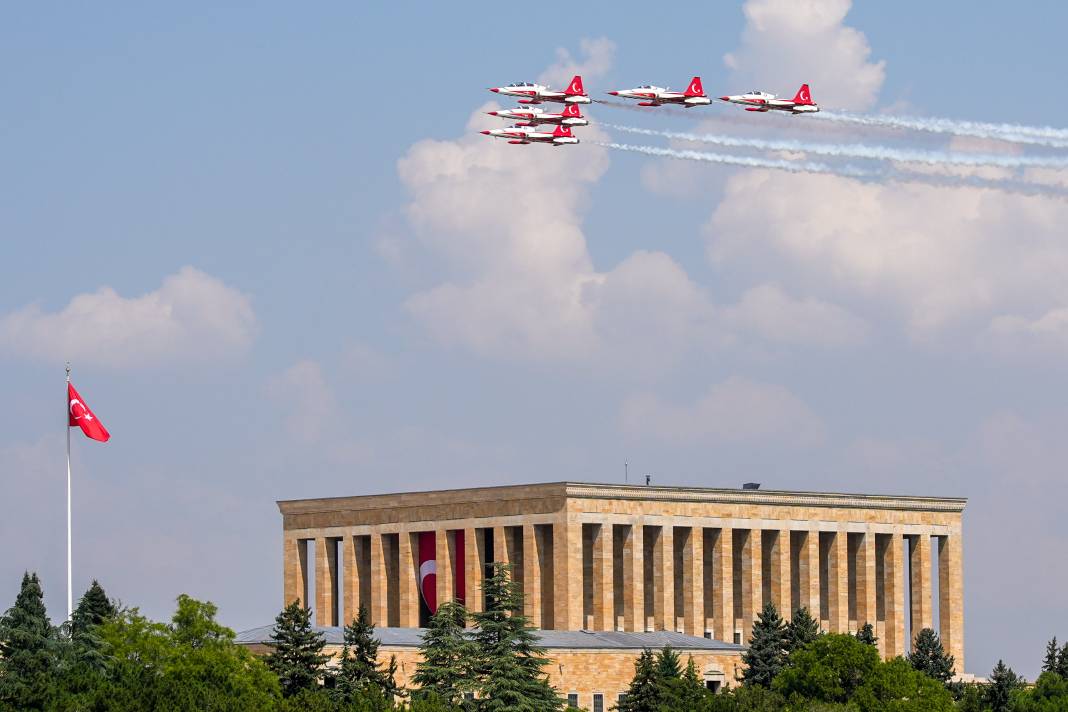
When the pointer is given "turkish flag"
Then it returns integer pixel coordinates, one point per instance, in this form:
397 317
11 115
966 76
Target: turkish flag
80 415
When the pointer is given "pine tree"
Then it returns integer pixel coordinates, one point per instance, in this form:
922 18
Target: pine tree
801 630
766 654
930 657
297 658
27 648
685 692
1052 660
1062 662
509 660
93 609
447 653
645 693
998 694
358 671
668 666
866 635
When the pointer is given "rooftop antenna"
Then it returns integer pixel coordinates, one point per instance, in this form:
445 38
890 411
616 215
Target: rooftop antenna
626 472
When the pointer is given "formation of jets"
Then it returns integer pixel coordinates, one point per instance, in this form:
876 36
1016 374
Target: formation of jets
529 118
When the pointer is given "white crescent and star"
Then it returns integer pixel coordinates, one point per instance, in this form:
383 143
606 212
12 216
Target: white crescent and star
85 411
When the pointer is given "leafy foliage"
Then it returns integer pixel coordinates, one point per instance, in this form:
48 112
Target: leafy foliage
297 658
930 658
866 635
445 670
1003 683
508 660
767 648
27 648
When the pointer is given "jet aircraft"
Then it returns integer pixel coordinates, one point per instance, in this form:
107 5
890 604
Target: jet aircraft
763 102
530 93
533 116
655 96
560 136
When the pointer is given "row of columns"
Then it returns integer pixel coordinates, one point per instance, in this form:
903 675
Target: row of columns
710 581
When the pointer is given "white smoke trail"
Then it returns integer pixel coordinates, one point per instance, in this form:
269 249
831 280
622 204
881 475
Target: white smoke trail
1014 133
1019 187
856 150
746 161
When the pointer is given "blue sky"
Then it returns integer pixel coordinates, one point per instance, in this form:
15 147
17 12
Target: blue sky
323 284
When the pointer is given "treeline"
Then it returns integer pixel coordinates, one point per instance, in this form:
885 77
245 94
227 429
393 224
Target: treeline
795 667
110 657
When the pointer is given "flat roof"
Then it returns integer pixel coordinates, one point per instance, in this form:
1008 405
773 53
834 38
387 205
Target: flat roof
549 639
600 490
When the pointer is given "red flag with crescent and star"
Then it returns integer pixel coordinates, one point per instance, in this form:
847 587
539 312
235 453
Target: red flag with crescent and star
84 418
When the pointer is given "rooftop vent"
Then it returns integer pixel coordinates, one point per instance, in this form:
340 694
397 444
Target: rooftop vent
751 486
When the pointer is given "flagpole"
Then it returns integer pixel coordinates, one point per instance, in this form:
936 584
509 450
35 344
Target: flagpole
70 592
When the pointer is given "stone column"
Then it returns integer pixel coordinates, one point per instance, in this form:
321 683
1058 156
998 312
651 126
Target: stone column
532 581
951 596
500 546
781 591
567 569
809 578
693 581
474 566
894 597
445 546
752 580
664 579
603 601
379 609
634 578
408 578
838 588
294 570
325 582
920 583
867 605
723 590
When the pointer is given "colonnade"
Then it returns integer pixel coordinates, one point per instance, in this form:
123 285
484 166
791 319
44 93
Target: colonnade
705 578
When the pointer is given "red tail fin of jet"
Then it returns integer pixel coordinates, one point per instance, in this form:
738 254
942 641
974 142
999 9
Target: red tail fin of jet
562 131
695 88
804 96
571 111
575 87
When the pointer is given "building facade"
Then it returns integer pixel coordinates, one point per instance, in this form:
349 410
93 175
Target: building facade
598 557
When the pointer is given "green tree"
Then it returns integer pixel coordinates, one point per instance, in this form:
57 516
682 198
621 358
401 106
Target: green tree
685 691
93 609
645 693
1003 683
1062 662
830 669
767 648
1049 694
27 649
801 630
866 635
509 661
898 686
668 666
359 671
447 655
930 658
1052 659
297 658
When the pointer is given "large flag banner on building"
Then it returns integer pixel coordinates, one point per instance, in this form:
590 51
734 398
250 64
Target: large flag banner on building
81 415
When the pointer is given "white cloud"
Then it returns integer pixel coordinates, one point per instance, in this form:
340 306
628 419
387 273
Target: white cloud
306 401
768 311
941 256
192 317
788 42
598 55
1047 334
736 410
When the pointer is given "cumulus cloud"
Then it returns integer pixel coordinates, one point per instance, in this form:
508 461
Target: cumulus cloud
734 411
1019 335
768 311
941 256
788 42
192 317
598 54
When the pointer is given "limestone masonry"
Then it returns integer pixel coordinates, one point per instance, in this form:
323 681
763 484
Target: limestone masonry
597 557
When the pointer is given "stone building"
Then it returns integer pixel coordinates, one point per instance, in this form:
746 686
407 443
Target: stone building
633 559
